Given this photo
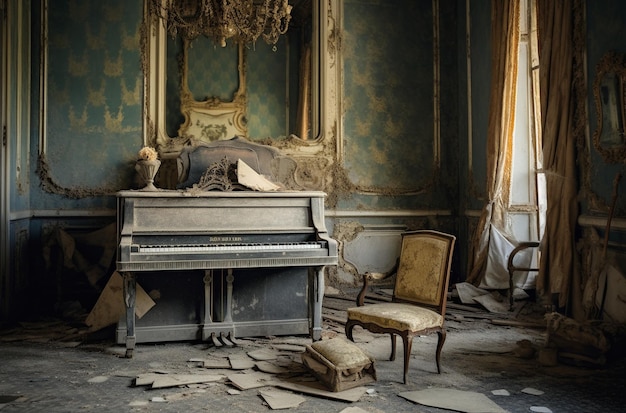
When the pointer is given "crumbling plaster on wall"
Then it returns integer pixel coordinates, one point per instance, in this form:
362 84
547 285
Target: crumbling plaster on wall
346 231
49 184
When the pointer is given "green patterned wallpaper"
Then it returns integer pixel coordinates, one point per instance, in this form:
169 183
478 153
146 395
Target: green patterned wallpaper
212 72
267 90
94 92
388 92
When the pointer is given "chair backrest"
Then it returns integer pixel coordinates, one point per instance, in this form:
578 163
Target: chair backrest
424 268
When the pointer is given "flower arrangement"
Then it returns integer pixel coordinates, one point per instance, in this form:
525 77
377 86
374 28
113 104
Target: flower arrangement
148 153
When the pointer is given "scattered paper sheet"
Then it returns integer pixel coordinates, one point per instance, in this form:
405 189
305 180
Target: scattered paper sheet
263 354
252 380
318 389
159 381
467 292
240 362
249 177
492 304
353 409
222 363
540 409
110 305
267 367
530 390
278 399
451 399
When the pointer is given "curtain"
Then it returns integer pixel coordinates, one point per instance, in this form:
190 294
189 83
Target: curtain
556 31
504 52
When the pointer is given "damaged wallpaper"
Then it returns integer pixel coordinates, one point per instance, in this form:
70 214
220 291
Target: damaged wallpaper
94 94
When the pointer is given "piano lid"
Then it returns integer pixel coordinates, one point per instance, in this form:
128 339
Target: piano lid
222 212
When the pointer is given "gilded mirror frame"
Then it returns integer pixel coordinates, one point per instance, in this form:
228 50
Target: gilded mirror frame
609 90
213 119
154 56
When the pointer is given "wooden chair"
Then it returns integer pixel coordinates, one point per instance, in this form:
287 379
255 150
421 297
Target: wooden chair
512 267
418 305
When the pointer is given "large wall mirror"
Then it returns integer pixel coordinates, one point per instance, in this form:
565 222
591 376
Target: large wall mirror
609 91
202 90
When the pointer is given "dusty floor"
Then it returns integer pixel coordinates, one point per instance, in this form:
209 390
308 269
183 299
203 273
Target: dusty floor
47 367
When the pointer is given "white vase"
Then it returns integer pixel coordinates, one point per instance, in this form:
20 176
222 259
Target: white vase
147 170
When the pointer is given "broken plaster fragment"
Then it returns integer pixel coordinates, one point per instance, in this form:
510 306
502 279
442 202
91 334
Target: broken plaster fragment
530 390
98 379
540 409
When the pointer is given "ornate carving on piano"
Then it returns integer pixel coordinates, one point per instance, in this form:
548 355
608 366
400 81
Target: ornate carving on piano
213 166
220 176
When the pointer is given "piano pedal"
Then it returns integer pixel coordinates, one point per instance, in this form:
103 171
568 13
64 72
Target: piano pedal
215 340
233 340
225 340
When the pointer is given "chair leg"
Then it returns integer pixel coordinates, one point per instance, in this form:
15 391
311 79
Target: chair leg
440 341
407 340
349 326
392 357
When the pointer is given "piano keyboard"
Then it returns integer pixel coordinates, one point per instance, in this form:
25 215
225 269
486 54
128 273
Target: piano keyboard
226 247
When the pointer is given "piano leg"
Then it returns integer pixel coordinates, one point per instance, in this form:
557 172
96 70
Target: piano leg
228 317
208 297
318 292
129 300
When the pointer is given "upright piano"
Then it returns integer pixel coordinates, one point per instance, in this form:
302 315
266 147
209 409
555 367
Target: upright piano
261 255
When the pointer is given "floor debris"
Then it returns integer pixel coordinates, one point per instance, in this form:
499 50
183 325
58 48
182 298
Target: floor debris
110 304
267 367
451 399
250 380
278 399
534 392
240 362
268 370
540 409
98 379
353 409
160 381
316 388
263 354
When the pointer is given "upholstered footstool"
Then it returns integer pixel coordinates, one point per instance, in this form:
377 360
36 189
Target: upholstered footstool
339 364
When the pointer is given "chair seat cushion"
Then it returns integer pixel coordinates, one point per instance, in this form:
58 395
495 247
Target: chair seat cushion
398 316
342 353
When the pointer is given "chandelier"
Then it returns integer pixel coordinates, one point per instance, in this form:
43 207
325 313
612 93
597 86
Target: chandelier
243 21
